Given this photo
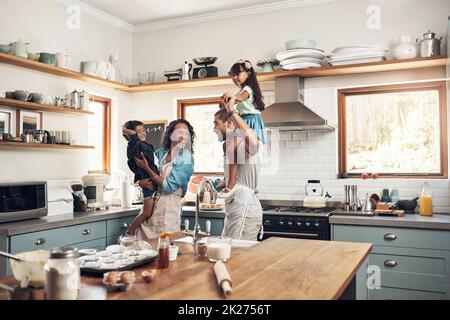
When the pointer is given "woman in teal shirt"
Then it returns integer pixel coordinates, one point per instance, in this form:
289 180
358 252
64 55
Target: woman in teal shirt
176 165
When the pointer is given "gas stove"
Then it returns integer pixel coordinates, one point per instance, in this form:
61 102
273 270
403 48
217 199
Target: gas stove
292 220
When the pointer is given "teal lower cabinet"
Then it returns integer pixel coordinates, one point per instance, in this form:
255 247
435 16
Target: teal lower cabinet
401 266
112 240
216 224
98 244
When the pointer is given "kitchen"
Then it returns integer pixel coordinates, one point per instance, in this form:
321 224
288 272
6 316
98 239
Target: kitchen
142 50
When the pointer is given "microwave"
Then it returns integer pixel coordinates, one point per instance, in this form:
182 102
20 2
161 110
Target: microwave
23 200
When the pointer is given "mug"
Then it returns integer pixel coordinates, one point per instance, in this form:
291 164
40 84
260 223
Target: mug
22 95
47 58
9 95
57 136
89 67
33 56
37 97
62 60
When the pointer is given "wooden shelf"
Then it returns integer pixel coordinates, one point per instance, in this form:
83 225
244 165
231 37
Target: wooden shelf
38 66
7 144
383 66
41 107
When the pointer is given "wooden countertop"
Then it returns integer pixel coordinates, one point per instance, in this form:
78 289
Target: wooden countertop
275 269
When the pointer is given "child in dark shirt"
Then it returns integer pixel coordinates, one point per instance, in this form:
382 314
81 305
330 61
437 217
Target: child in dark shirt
134 132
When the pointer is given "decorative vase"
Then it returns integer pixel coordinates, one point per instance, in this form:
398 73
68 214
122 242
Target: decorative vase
405 50
267 67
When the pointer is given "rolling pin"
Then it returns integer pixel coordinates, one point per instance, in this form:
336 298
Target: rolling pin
223 277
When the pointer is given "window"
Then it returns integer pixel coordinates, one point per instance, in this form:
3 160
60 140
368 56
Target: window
208 150
99 135
398 130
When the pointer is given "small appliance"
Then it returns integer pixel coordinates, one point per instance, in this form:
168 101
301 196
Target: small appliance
94 188
79 198
205 71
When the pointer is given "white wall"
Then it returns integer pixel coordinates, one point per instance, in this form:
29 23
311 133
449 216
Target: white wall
262 36
43 24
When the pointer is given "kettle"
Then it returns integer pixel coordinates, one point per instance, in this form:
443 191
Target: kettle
314 198
429 46
186 71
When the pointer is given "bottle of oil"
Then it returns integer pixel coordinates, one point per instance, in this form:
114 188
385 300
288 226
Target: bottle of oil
163 250
426 203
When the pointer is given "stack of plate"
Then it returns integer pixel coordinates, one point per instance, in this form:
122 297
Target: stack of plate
356 54
300 54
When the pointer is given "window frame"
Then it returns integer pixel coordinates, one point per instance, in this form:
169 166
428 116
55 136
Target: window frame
107 136
440 86
182 104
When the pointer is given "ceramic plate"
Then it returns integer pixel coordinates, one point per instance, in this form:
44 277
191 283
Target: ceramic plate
302 65
355 61
300 53
356 48
357 54
300 60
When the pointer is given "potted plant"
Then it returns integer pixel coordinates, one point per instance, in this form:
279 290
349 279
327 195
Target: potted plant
267 64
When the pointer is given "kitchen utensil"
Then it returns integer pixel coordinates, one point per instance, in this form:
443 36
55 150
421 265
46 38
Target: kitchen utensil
47 58
33 56
300 43
75 99
347 197
22 95
303 65
429 46
146 77
37 97
367 207
223 277
32 270
355 204
20 293
103 69
204 61
300 53
385 197
5 48
205 71
313 197
405 49
42 136
62 60
186 71
11 256
408 205
19 48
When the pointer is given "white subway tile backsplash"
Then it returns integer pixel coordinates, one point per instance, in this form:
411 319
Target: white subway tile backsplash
300 136
286 136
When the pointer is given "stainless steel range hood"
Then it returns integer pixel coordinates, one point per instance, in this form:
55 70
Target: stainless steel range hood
289 113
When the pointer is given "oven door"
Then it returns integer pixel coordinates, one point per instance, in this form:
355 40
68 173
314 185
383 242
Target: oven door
319 235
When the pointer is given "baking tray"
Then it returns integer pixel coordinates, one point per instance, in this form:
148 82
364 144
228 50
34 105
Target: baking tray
135 264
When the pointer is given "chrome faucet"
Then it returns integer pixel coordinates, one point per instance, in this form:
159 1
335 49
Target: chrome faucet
197 233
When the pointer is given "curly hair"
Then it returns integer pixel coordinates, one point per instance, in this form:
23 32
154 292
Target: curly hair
167 142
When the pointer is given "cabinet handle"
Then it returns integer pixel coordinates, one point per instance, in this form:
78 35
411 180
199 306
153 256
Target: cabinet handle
40 241
390 236
124 225
390 263
86 232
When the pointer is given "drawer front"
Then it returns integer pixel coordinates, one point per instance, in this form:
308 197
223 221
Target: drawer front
432 266
38 240
390 293
118 226
395 237
86 232
112 240
98 244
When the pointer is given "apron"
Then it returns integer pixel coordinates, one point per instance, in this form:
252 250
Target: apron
243 215
166 212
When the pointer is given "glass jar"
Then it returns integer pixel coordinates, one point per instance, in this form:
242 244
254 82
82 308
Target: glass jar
219 249
426 203
163 250
129 241
62 275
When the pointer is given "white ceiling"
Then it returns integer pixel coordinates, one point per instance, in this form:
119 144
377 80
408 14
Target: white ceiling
139 12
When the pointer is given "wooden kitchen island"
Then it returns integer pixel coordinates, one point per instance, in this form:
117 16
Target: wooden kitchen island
275 269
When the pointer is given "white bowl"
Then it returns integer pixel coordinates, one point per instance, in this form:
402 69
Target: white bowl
31 271
116 248
300 43
87 251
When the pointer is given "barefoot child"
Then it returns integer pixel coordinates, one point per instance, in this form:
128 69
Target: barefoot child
249 106
135 134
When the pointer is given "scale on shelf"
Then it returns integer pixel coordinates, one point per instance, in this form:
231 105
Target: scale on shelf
205 71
